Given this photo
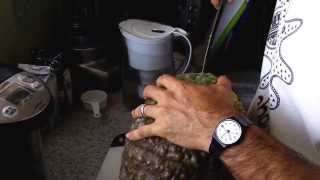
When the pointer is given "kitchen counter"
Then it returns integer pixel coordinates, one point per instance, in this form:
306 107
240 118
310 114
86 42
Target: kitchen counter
76 149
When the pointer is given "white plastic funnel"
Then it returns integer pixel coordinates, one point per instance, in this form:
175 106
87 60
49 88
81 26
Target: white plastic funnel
94 100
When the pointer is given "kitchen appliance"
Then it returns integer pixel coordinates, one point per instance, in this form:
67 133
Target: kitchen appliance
53 62
85 47
25 106
191 15
150 52
85 42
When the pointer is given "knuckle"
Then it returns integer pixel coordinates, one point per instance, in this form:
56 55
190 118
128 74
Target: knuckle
161 133
163 110
167 95
164 76
147 89
140 133
148 109
137 110
160 129
133 113
165 79
222 88
163 97
181 85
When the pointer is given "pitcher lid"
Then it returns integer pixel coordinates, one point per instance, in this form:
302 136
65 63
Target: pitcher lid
145 30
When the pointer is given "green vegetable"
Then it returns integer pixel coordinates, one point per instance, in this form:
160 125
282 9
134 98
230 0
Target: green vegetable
202 78
207 79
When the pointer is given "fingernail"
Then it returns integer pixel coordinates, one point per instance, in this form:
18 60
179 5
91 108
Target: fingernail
128 135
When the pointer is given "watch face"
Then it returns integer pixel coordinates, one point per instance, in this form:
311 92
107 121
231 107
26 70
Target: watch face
228 131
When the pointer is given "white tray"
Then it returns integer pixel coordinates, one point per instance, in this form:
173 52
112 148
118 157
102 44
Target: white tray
111 165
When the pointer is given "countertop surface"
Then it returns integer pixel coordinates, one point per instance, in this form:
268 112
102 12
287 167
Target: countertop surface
76 149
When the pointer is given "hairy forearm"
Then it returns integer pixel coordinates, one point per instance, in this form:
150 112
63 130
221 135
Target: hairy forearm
262 157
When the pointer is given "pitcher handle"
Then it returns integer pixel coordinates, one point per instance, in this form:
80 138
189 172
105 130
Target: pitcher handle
183 34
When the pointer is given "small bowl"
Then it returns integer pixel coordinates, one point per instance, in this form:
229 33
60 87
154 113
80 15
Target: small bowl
94 100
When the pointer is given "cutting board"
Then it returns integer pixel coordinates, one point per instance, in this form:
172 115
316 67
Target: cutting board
111 165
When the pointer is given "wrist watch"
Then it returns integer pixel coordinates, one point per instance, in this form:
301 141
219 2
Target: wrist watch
229 132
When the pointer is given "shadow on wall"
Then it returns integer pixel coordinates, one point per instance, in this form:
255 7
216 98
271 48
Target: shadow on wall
26 24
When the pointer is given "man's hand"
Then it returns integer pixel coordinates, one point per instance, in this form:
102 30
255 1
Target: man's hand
217 3
185 114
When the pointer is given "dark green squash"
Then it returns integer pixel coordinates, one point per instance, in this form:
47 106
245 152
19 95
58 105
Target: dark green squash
155 158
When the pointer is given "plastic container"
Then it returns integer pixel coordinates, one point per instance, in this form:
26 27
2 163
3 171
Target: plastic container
94 100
